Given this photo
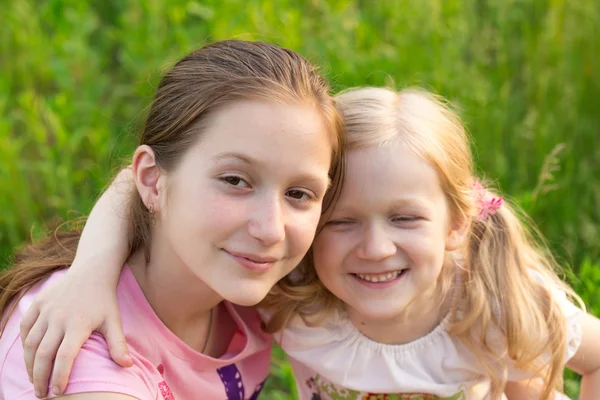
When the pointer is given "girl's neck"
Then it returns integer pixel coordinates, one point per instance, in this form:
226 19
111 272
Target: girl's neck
178 297
417 320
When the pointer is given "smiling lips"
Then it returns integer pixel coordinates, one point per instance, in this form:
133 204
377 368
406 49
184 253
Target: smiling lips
253 262
382 277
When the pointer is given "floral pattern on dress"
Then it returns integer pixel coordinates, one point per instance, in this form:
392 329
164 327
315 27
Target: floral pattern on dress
322 390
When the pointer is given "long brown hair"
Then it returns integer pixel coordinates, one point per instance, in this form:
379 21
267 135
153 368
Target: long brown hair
197 85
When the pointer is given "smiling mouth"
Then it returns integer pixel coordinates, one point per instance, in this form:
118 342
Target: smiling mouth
253 262
380 278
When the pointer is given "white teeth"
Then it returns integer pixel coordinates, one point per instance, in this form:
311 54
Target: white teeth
379 277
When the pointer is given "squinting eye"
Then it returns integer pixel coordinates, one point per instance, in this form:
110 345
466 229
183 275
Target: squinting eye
298 195
234 181
405 218
339 222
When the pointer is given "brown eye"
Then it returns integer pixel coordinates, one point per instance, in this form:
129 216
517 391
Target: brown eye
234 181
298 194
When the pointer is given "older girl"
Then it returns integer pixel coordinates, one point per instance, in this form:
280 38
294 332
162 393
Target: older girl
238 150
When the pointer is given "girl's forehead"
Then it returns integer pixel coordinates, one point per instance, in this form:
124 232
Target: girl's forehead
394 162
287 141
389 174
275 124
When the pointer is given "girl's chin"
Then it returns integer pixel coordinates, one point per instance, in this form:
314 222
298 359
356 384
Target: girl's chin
246 296
245 302
378 313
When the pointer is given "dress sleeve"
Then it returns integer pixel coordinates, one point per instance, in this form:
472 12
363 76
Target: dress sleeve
573 319
572 316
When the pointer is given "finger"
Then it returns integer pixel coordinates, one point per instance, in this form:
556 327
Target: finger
31 342
117 345
44 359
65 356
28 321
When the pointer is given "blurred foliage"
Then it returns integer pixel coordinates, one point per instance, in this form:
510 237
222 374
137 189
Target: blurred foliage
77 76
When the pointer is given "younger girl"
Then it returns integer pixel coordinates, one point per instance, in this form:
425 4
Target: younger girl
234 161
421 284
433 286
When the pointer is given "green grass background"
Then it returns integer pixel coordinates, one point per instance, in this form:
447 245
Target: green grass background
77 75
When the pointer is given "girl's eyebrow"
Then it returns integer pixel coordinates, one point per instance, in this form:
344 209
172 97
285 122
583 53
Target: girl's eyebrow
406 201
241 157
395 205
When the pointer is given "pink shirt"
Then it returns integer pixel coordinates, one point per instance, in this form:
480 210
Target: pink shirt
165 368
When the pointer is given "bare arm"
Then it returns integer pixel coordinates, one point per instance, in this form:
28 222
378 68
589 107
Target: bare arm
104 237
586 360
63 316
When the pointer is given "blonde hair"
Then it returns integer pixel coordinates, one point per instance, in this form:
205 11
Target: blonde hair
502 262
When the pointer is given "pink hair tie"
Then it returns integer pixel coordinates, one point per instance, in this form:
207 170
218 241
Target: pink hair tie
488 204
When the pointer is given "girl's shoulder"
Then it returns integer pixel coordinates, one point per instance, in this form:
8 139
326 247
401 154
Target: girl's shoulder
556 294
11 330
92 361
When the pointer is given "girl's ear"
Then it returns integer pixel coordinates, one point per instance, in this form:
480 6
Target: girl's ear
457 234
147 176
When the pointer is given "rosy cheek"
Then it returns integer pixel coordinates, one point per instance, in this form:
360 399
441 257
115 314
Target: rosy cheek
303 228
329 251
227 204
318 249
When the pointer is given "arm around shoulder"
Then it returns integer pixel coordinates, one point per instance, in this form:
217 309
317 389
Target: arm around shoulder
84 300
